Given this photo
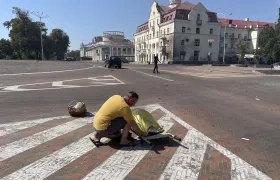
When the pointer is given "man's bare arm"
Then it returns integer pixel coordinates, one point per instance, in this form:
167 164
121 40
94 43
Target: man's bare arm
135 128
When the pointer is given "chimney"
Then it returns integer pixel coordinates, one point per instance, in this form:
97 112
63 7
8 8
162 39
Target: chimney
246 19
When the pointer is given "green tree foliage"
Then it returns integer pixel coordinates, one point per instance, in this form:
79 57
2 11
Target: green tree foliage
6 49
75 54
60 42
269 42
242 49
25 37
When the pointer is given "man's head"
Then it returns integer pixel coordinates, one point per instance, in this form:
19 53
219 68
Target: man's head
131 98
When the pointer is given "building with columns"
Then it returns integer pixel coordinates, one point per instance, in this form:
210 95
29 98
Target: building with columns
112 43
186 32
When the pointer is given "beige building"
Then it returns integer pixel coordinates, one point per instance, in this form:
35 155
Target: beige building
234 30
178 32
184 32
112 43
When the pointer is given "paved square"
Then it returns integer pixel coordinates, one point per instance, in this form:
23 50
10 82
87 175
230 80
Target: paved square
60 149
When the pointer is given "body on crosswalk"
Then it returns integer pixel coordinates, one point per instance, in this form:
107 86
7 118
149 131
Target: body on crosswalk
65 147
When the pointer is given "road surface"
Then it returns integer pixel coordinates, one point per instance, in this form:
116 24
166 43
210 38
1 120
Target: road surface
228 121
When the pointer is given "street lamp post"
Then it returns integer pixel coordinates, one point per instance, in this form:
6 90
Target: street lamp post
224 53
40 16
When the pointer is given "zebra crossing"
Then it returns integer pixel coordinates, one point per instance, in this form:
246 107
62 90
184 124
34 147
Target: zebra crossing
65 152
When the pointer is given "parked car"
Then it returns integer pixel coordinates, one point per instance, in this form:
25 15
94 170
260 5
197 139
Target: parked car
276 66
114 61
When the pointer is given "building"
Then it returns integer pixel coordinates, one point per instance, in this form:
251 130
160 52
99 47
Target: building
178 32
233 30
189 33
112 43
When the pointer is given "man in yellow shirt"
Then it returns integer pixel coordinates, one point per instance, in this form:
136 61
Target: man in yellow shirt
115 115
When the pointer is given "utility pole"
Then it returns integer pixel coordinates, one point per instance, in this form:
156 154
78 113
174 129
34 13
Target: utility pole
225 30
40 16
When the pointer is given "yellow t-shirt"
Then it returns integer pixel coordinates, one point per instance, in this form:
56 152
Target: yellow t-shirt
114 107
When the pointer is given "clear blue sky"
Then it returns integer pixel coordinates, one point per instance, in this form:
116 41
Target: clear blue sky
84 19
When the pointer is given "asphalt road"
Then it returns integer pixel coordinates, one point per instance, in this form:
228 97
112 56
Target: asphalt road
224 109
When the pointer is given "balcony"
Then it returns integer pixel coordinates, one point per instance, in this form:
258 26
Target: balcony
199 22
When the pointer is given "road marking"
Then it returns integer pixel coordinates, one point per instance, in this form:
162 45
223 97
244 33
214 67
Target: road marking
151 75
121 163
48 72
29 142
239 168
186 163
60 85
9 128
117 166
212 76
48 165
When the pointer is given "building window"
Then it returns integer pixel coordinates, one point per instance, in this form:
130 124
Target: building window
196 55
157 22
239 35
167 30
210 44
196 42
232 35
183 29
182 42
226 35
150 36
161 32
164 31
225 45
157 33
197 31
211 31
232 46
198 17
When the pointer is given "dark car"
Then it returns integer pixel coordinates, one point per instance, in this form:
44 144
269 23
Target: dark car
114 61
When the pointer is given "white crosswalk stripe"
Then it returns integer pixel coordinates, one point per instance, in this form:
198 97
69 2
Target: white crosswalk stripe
9 128
121 163
24 144
185 163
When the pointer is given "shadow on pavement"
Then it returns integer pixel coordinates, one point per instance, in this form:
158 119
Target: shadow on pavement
156 146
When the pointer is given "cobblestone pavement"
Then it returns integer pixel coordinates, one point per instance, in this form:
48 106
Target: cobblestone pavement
229 128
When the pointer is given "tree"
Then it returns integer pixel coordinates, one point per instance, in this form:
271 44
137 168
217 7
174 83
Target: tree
242 49
269 42
60 42
75 54
25 37
5 48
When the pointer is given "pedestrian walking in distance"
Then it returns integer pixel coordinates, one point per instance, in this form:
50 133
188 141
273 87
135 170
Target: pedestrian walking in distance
156 60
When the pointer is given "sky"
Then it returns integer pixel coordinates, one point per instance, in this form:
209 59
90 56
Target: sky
84 19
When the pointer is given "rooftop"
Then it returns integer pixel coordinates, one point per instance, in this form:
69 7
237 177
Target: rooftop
242 24
178 12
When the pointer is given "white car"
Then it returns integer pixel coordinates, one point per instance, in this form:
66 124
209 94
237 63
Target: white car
276 66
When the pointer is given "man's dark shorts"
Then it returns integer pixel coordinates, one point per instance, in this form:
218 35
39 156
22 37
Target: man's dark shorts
115 126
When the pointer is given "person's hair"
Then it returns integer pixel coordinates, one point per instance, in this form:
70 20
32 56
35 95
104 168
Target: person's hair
132 94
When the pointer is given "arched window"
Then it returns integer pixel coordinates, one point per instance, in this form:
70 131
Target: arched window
198 17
